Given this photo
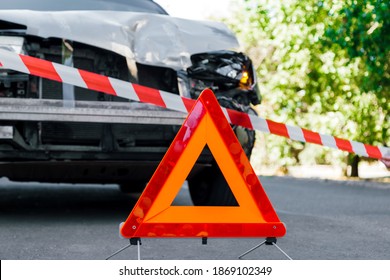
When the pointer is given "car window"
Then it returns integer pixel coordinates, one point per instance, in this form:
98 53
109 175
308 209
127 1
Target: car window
146 6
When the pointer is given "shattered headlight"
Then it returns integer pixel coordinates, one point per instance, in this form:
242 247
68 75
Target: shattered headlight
223 71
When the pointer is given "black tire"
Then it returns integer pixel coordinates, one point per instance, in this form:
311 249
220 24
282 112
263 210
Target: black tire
209 188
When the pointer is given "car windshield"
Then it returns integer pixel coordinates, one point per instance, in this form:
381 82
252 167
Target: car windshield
145 6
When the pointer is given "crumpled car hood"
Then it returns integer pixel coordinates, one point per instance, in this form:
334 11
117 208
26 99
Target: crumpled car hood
152 39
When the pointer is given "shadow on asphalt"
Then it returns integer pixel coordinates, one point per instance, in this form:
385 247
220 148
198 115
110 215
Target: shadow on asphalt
48 200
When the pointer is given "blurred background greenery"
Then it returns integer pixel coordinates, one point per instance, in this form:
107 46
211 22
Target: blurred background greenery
321 65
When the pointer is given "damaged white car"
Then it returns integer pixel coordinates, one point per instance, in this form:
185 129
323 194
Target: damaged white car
134 41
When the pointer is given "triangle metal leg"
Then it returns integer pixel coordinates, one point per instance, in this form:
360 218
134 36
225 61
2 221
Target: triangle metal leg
250 250
133 241
283 252
267 241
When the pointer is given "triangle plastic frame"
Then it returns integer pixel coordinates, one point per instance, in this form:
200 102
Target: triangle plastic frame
153 215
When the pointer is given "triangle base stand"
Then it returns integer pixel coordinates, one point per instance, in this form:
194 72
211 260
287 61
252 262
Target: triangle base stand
133 242
267 241
136 241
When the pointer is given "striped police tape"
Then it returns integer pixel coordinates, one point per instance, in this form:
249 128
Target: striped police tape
92 81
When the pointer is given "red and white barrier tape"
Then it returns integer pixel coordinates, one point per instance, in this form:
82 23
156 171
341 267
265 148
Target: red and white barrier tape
84 79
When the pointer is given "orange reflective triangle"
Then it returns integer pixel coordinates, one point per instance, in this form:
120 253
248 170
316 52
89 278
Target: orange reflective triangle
153 215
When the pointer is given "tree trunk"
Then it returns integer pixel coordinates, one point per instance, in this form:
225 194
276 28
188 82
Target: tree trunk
355 166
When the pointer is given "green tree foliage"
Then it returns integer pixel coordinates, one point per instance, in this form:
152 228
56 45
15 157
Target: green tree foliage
362 28
313 76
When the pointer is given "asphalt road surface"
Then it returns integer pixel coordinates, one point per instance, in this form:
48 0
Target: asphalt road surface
324 219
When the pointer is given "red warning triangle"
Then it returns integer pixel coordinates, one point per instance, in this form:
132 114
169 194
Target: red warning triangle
153 215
